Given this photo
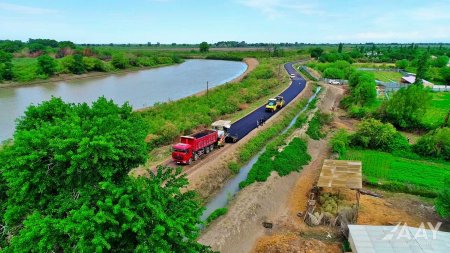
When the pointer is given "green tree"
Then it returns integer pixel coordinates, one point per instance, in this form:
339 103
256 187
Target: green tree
204 47
335 73
340 48
77 67
6 66
68 187
422 68
373 134
365 93
445 73
340 142
402 64
46 65
407 106
435 143
443 200
440 61
316 52
362 87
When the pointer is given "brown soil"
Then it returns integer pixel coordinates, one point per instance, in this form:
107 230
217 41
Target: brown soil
293 243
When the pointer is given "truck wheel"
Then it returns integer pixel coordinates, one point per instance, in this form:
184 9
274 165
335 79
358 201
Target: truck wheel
190 161
207 149
211 148
195 157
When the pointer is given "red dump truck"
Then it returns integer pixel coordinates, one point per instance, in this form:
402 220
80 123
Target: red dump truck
193 146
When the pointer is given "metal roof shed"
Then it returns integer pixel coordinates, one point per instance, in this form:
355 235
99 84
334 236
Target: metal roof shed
387 239
341 174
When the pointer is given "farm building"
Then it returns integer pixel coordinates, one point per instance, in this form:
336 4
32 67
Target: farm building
411 79
387 239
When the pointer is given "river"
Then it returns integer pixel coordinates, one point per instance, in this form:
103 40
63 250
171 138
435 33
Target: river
141 89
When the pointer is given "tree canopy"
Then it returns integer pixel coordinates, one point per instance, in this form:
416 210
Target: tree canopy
46 65
204 47
407 106
67 185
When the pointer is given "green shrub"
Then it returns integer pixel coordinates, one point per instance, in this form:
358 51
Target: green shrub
333 73
216 214
435 144
340 142
373 134
315 125
290 159
301 120
234 167
119 61
443 200
407 106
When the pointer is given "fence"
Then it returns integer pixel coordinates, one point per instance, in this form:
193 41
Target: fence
393 86
311 75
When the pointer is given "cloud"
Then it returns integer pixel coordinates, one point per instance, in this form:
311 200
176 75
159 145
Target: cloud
277 8
22 9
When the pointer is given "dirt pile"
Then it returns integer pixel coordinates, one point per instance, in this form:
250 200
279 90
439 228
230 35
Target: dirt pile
293 243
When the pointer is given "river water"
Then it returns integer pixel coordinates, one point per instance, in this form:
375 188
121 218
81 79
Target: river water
141 89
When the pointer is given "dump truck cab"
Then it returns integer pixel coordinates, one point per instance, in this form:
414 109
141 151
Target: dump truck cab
182 153
271 105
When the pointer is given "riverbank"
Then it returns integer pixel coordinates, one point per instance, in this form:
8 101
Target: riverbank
251 63
89 75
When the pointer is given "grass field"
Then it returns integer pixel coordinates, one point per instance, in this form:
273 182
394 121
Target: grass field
440 105
387 76
385 168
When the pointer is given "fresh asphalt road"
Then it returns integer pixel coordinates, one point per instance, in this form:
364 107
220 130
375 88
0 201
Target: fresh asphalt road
246 124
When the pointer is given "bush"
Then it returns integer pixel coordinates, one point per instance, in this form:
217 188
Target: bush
290 159
340 142
407 106
443 200
316 123
6 72
216 214
46 65
119 61
373 134
362 88
435 144
402 64
333 73
234 167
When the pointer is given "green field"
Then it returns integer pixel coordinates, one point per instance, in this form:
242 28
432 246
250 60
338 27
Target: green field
440 105
387 168
387 76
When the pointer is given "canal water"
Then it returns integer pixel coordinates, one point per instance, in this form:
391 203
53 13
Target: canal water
141 89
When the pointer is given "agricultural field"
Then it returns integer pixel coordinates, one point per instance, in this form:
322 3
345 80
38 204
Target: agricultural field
440 105
387 76
387 168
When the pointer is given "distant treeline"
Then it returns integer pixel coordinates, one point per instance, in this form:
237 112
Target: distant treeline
12 46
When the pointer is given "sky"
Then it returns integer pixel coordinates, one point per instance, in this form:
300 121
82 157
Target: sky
193 21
